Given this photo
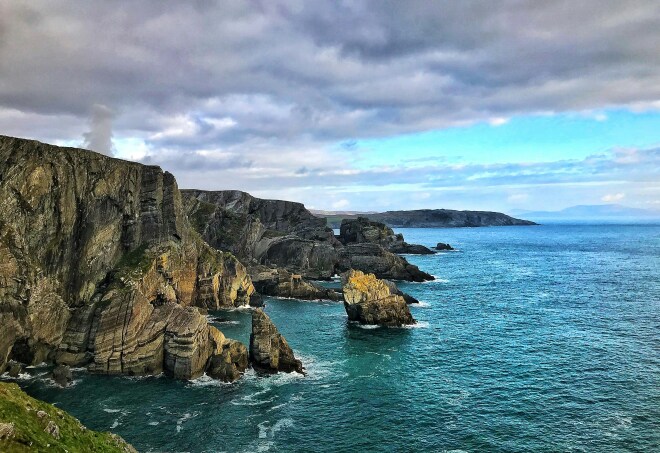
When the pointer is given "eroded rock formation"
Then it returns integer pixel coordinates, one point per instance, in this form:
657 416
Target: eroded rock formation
269 351
369 300
99 265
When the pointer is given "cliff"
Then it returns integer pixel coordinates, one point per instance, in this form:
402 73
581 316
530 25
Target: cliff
285 235
27 424
435 218
99 265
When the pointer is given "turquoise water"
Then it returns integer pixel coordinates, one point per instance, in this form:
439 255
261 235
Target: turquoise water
536 339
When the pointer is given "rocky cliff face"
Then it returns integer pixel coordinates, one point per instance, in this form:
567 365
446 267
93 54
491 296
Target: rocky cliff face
284 235
369 300
99 265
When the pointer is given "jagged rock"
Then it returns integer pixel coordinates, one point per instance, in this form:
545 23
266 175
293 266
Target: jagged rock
62 375
53 429
14 369
269 351
229 361
99 264
369 300
374 259
395 290
443 246
363 230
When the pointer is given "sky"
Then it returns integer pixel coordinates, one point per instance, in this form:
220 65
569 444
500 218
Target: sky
351 105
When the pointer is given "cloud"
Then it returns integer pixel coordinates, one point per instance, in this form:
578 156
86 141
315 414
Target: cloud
340 204
613 197
99 137
275 97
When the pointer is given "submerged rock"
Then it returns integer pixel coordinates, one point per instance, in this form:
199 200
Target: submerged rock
269 351
62 375
443 246
369 300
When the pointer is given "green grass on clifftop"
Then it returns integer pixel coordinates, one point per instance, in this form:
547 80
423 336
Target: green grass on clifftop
24 422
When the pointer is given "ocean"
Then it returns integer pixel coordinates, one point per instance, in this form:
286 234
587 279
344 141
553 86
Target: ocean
531 339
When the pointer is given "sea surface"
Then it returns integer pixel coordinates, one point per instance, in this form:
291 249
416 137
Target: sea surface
531 339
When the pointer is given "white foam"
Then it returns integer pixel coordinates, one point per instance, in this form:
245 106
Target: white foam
420 304
419 325
111 411
180 421
207 381
154 423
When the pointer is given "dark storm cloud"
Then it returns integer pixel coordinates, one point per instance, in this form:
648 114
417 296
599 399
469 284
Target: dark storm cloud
329 70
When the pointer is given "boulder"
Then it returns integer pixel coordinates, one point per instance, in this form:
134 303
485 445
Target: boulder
369 300
269 351
443 246
62 375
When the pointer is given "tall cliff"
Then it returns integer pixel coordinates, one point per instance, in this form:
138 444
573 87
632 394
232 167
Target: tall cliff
99 265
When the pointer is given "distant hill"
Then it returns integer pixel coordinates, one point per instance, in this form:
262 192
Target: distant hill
602 212
431 218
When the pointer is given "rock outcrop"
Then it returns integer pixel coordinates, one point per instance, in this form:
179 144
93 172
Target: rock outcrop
442 246
362 230
374 259
278 282
230 359
62 375
27 424
369 300
269 351
99 265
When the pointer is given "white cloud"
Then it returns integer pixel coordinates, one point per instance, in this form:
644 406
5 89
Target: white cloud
340 204
613 197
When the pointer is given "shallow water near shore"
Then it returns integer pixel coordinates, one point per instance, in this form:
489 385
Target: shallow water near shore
531 339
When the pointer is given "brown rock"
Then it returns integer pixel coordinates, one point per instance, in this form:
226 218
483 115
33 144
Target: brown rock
369 300
269 351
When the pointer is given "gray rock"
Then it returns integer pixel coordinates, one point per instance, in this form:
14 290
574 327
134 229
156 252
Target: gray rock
374 259
62 375
14 369
229 363
362 230
443 246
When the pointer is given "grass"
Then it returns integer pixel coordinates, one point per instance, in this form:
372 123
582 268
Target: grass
29 428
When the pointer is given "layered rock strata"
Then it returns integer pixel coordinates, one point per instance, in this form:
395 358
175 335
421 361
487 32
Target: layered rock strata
369 300
99 265
269 351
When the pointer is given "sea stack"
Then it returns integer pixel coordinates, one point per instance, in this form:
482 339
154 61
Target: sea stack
369 300
443 246
269 351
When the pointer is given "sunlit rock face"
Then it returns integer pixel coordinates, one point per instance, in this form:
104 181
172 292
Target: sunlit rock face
369 300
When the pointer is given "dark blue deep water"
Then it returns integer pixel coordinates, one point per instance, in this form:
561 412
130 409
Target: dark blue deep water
537 339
